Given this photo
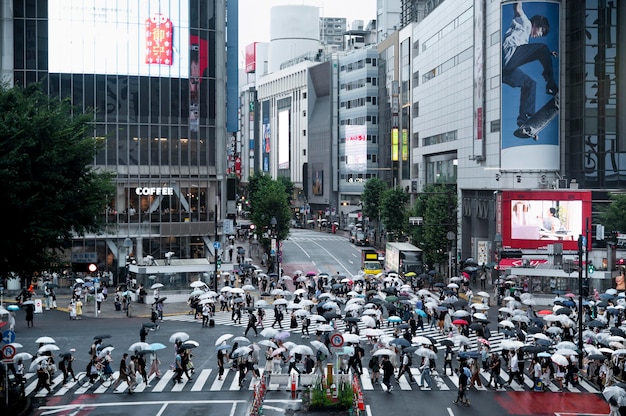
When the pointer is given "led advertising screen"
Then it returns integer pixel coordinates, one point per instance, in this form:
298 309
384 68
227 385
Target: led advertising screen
356 148
283 139
147 37
318 182
533 219
530 85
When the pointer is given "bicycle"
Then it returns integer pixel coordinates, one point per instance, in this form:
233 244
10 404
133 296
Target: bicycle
105 379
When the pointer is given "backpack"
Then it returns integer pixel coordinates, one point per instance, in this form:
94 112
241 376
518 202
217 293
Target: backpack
252 318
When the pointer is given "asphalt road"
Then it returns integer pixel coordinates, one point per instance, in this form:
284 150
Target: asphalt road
204 394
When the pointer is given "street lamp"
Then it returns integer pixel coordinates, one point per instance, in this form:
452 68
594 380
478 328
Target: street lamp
275 245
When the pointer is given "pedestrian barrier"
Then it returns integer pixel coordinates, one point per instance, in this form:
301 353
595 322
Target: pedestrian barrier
359 404
258 396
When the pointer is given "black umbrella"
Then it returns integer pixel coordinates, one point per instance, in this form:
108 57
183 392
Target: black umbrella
371 292
331 315
102 336
434 342
544 342
390 290
469 354
352 319
65 355
596 357
534 330
390 306
447 342
410 349
459 304
618 332
508 333
439 284
403 326
563 311
476 327
595 324
149 325
159 300
401 341
534 349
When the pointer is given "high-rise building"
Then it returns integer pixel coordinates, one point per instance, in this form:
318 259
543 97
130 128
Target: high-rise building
154 71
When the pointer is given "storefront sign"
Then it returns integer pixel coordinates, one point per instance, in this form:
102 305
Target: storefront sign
154 191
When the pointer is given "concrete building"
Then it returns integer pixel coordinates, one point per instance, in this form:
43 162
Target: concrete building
160 97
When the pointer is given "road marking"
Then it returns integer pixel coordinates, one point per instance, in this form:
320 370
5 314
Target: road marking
202 378
300 247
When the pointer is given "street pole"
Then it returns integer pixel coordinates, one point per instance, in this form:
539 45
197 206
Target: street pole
580 299
216 251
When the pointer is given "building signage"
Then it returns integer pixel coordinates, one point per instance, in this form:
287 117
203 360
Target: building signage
154 191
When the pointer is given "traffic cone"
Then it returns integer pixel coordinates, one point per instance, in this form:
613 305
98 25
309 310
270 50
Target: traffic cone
360 402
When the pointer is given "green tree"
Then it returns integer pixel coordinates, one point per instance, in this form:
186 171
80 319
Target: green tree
613 217
268 199
50 190
393 212
437 207
289 187
371 198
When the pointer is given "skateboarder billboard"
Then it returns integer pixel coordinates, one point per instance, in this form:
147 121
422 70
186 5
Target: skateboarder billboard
530 85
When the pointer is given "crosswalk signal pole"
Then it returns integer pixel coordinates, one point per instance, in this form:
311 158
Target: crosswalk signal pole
580 298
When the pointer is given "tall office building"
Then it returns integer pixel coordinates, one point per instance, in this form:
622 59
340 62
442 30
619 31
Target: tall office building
155 73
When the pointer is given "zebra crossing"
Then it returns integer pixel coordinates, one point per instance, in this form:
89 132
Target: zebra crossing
224 318
208 380
316 237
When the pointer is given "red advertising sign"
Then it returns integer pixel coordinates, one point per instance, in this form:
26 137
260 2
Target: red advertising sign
158 40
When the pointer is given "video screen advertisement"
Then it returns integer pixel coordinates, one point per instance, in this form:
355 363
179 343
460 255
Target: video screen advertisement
534 219
356 148
145 38
530 85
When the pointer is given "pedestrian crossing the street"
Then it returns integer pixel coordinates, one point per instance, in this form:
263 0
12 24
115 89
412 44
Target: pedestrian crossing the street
225 318
208 380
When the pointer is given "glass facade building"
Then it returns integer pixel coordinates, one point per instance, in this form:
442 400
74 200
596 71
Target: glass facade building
153 71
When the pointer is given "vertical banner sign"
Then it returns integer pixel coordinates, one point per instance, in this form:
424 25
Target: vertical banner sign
530 85
405 144
266 147
479 77
394 145
158 40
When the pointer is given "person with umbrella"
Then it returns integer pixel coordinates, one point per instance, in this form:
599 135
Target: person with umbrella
447 359
495 364
43 375
388 371
123 373
405 367
251 324
19 375
65 365
29 308
154 364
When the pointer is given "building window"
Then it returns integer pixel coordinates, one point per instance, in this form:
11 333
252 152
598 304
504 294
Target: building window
495 126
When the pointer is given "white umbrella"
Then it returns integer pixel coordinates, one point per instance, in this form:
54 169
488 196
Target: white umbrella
425 352
351 338
267 343
483 294
559 359
539 335
261 303
506 324
48 348
324 328
24 356
383 351
45 340
302 313
302 349
156 286
179 336
195 284
223 338
509 344
241 351
460 313
104 351
421 340
241 339
35 364
351 307
196 292
566 351
565 344
269 332
281 301
453 286
479 315
480 306
205 301
318 345
77 280
139 346
461 340
368 321
249 288
237 290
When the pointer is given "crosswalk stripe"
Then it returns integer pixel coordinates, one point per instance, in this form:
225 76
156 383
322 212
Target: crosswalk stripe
207 378
201 379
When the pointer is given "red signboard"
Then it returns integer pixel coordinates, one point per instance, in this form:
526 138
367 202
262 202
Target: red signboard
534 219
158 40
251 57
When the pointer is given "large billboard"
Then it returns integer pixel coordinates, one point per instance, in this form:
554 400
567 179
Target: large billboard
533 219
356 148
251 57
147 38
530 85
283 139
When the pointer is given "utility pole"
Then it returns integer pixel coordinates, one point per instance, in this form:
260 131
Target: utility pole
581 247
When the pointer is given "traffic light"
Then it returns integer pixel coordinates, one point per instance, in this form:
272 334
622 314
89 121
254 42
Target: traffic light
219 262
591 268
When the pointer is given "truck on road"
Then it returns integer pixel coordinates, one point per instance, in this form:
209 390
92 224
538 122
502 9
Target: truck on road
371 261
404 258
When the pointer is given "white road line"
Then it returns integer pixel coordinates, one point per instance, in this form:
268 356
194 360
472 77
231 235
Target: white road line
202 378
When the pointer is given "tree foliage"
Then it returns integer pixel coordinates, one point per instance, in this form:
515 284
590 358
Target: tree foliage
50 190
268 199
393 212
437 207
613 217
371 198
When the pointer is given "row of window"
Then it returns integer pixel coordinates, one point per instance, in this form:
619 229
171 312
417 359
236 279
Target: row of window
359 102
371 157
449 28
357 177
440 138
358 64
447 65
359 83
359 121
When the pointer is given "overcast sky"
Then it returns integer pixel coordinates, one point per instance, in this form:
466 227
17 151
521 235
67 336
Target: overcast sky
254 15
